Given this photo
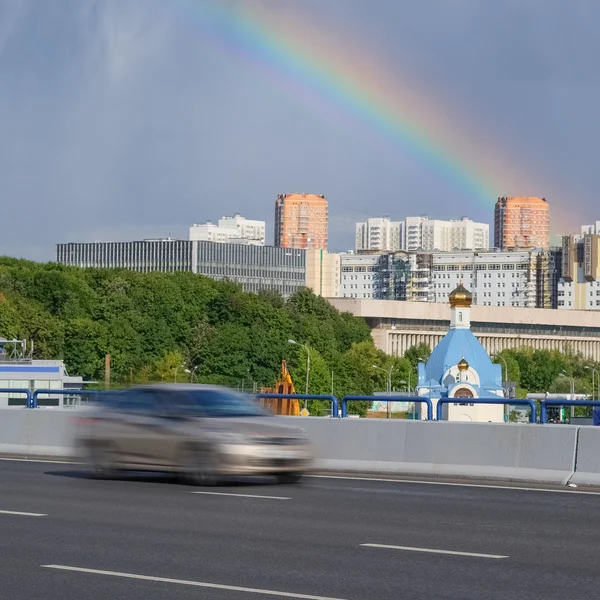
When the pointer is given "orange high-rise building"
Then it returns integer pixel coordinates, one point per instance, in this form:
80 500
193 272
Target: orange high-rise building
521 222
301 221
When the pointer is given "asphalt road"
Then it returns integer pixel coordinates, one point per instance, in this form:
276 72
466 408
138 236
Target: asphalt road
147 538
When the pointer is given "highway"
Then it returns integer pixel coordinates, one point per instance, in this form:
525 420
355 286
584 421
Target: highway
147 537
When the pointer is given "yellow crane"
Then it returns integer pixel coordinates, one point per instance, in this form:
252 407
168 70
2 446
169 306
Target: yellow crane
285 385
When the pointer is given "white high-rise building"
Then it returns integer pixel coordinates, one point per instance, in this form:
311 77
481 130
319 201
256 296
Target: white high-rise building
380 234
253 231
230 229
593 229
448 236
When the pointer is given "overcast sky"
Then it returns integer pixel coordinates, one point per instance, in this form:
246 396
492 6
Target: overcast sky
126 119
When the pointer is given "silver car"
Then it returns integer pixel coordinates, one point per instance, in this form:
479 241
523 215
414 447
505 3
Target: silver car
203 432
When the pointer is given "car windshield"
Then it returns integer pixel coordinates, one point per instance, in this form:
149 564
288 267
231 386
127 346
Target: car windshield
223 403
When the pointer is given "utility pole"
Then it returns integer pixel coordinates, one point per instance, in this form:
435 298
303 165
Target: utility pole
107 372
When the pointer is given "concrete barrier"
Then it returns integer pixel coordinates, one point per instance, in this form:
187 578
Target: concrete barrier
503 450
488 450
588 457
36 432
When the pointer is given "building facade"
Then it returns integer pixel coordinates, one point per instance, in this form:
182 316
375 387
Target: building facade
521 222
579 286
301 221
436 235
230 229
525 279
456 234
398 326
380 234
253 267
323 273
164 255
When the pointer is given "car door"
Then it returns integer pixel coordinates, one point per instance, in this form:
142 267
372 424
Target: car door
141 429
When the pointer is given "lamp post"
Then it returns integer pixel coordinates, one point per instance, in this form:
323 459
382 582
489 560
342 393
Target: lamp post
307 364
572 380
389 386
191 373
594 373
505 366
424 361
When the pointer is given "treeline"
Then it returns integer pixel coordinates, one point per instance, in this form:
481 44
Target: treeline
161 327
180 326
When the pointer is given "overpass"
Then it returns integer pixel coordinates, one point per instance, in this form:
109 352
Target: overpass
397 326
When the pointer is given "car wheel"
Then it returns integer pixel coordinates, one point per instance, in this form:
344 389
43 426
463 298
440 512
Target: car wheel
199 465
101 461
288 478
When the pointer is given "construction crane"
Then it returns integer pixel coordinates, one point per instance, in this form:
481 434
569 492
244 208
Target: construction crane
285 385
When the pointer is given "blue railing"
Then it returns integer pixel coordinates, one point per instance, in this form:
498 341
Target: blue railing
510 401
28 400
559 402
415 399
64 392
332 399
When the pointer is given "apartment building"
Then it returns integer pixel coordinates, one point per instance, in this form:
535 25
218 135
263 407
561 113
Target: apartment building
579 286
380 234
435 235
235 229
521 222
301 221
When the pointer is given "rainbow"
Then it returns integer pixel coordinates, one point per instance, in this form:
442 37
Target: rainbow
353 90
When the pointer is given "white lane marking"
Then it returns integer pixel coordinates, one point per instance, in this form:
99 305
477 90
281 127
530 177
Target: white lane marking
22 514
215 586
243 495
39 460
433 551
452 484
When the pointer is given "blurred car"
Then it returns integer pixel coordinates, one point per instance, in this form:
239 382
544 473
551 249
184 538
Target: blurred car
203 432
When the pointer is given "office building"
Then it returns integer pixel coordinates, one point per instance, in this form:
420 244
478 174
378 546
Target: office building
528 278
323 272
579 286
236 229
253 267
380 234
398 326
519 278
435 235
301 221
521 222
162 255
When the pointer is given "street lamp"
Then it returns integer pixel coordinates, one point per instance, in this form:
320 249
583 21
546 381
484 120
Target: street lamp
505 365
572 380
424 361
307 364
389 386
191 373
594 373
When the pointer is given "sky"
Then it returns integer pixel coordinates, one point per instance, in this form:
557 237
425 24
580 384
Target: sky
130 119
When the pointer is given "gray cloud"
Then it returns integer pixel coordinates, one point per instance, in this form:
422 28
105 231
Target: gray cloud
122 118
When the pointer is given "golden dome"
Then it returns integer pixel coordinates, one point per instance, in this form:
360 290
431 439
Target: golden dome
463 365
461 297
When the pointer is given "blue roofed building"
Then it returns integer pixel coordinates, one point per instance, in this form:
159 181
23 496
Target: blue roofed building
459 367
